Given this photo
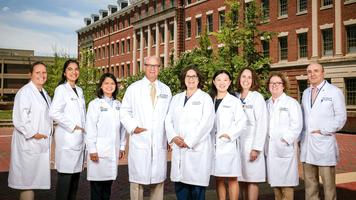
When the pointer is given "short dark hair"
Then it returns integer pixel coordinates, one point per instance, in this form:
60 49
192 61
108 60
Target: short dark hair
255 80
213 91
184 73
35 64
99 91
65 66
282 77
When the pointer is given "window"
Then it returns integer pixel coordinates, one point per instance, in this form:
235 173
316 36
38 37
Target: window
171 32
163 4
117 48
162 34
351 39
146 10
138 38
112 49
326 2
235 16
128 47
265 48
303 45
328 44
172 3
302 5
129 20
128 69
122 74
283 7
221 19
283 48
189 2
145 37
302 85
154 6
154 37
209 23
188 29
198 26
265 9
350 85
108 51
99 53
122 46
95 54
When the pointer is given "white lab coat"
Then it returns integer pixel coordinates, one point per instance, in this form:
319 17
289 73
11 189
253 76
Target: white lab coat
285 122
68 110
193 122
254 138
230 119
328 114
30 158
106 136
147 157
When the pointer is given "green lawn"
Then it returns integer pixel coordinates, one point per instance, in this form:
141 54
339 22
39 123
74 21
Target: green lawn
5 114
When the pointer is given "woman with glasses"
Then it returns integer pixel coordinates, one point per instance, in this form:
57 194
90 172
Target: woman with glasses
253 139
230 123
68 110
188 125
285 125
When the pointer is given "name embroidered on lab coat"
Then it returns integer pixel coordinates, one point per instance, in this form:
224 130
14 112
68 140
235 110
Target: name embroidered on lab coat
283 109
326 99
163 96
196 102
103 109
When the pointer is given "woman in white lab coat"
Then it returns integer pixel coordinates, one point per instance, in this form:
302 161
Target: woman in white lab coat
285 125
253 139
30 145
68 110
230 122
105 138
188 125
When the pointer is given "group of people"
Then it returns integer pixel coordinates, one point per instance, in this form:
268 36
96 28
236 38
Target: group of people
241 139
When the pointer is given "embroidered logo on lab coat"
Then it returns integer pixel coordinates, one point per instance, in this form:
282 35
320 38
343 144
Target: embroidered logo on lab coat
73 99
247 106
226 106
283 109
103 109
196 103
163 96
326 99
117 107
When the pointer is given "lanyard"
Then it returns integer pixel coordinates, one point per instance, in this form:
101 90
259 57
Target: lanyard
311 99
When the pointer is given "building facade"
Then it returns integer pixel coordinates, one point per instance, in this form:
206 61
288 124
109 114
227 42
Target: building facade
14 71
307 31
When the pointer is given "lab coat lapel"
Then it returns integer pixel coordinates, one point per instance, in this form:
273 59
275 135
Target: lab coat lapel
38 95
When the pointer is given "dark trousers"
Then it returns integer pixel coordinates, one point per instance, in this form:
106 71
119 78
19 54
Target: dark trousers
189 192
100 190
67 186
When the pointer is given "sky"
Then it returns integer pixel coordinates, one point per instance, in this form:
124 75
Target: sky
45 26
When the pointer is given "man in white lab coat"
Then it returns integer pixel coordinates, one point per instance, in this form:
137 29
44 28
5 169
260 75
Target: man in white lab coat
144 108
324 114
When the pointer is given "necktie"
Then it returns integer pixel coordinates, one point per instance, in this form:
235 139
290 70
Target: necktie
314 94
153 93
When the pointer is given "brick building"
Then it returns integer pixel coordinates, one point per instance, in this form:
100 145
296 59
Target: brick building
323 31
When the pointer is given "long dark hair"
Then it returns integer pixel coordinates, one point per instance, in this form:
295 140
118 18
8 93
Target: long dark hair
255 80
65 66
100 92
213 91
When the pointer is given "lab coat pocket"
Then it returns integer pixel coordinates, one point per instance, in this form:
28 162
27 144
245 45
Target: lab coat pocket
225 147
140 140
283 150
192 160
105 147
36 146
138 162
73 140
321 146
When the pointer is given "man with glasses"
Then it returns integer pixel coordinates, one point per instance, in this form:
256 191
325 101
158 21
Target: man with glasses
324 114
144 108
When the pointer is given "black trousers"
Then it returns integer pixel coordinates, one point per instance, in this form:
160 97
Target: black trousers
67 186
100 190
189 192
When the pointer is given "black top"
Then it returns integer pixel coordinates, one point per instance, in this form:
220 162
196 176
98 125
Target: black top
185 100
75 90
42 94
217 103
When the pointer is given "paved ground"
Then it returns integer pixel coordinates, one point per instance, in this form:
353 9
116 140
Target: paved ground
346 176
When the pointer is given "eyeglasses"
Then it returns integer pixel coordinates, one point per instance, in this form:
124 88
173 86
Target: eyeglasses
151 65
275 83
194 77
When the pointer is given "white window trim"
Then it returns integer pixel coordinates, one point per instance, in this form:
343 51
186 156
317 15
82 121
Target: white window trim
282 34
198 16
349 2
188 19
326 26
209 12
301 30
223 8
350 21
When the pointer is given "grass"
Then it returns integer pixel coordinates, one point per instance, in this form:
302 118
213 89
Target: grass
5 114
